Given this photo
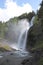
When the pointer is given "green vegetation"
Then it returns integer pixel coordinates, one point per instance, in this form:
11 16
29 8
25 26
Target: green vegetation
36 20
3 29
40 11
27 16
38 45
13 20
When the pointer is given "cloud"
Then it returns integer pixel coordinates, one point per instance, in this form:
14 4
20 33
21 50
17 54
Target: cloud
11 9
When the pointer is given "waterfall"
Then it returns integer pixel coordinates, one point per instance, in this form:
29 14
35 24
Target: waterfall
23 35
20 31
22 40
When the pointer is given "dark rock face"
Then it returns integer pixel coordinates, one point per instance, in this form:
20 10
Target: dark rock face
35 35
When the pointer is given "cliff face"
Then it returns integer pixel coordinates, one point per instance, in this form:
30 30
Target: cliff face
35 36
35 44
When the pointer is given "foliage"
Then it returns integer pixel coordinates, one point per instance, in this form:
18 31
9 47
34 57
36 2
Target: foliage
36 21
27 16
2 29
40 12
13 20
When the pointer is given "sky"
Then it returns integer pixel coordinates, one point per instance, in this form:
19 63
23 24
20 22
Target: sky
12 8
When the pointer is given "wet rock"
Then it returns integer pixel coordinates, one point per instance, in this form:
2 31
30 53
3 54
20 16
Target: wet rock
36 56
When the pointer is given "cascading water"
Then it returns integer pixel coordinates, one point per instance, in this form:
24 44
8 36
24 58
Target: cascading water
22 40
21 31
23 35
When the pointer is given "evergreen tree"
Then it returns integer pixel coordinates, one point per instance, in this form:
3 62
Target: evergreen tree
40 15
40 12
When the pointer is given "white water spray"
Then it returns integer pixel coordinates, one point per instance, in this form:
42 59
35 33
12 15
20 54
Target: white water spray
22 29
23 35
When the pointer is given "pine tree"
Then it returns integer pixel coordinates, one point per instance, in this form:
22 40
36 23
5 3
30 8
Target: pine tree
40 15
40 12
